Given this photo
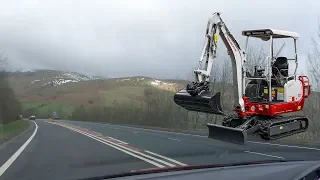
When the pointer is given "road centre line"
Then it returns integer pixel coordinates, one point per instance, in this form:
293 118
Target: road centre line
261 154
169 159
192 135
9 162
118 148
118 140
122 148
253 142
128 149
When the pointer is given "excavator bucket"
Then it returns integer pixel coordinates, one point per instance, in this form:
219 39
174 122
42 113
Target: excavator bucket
227 134
206 101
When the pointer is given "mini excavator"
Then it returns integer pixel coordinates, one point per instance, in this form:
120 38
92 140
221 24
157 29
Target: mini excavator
261 100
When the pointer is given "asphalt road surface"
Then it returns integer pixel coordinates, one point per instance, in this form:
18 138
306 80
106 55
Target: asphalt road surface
73 150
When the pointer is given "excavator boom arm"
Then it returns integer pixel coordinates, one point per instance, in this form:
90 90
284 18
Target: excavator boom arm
217 27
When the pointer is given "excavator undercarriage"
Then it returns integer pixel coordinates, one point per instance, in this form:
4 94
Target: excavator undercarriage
260 100
234 128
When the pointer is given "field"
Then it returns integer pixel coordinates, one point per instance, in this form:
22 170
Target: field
42 91
12 129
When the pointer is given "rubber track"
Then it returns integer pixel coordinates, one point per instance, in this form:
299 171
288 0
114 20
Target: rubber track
266 124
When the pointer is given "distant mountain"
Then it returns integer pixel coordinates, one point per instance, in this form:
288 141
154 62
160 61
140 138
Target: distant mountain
44 87
50 77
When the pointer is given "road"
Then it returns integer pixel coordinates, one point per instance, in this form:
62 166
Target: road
73 150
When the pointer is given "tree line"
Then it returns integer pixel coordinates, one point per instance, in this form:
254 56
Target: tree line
158 108
10 107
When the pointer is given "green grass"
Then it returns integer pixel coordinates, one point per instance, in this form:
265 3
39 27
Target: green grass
123 95
62 109
43 109
12 129
27 106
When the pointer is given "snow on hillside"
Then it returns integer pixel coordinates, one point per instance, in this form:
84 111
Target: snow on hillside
76 77
157 82
49 78
142 80
57 82
150 82
25 70
60 78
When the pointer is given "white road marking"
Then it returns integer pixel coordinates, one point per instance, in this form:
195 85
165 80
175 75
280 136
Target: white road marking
284 145
261 154
254 142
128 149
122 142
169 159
111 145
173 139
120 147
135 132
9 162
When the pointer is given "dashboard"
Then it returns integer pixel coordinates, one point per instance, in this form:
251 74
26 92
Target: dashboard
292 170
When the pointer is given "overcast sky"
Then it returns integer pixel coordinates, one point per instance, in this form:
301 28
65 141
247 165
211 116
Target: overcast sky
115 38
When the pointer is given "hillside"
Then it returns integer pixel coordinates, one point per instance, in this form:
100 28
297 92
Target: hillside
48 90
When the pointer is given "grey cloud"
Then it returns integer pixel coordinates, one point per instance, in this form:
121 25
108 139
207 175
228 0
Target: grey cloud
143 37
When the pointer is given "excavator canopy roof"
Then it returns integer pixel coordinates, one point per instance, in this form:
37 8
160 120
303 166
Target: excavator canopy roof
265 34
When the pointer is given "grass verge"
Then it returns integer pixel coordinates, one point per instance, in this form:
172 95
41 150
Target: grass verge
42 109
12 129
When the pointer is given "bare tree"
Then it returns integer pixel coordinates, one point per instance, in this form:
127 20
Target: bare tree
314 61
10 108
255 56
312 104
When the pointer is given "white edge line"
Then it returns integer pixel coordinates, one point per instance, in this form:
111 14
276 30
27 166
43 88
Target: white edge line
173 139
115 144
9 162
169 159
251 152
284 145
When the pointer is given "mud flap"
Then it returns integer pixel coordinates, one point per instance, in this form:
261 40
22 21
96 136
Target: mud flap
206 102
227 134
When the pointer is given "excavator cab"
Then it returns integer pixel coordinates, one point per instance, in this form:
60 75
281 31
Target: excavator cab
277 70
